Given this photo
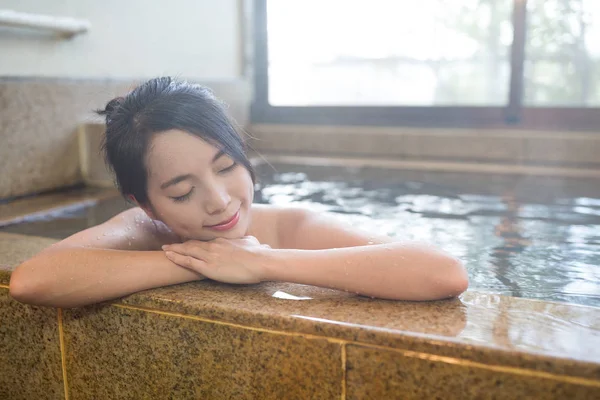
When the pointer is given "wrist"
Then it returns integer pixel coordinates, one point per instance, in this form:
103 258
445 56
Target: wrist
160 260
270 262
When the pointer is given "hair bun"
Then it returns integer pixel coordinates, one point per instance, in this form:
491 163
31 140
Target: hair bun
111 107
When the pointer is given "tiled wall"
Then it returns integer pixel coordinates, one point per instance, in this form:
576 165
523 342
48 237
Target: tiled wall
385 374
39 121
119 351
30 354
213 341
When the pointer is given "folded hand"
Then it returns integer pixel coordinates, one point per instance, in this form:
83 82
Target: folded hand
225 260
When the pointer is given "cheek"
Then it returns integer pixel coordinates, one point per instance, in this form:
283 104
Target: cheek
187 227
250 190
179 217
246 186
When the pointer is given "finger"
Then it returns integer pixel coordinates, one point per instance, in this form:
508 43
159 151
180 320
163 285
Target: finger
186 261
192 248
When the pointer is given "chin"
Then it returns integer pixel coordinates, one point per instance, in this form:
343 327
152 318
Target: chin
237 232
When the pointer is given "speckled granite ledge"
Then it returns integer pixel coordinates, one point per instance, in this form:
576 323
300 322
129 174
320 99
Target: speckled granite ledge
279 340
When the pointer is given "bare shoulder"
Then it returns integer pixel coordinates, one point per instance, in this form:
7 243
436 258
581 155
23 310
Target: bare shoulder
264 224
299 228
129 230
270 223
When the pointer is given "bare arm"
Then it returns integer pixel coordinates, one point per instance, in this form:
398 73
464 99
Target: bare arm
323 252
105 262
316 250
391 271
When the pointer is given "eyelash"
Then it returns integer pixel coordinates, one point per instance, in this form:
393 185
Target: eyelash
183 198
225 170
186 196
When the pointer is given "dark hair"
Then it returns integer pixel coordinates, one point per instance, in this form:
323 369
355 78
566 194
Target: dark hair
159 105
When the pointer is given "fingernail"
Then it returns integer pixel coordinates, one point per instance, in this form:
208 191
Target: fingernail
165 247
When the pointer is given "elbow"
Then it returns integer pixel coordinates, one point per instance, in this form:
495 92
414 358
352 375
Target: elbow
456 279
22 288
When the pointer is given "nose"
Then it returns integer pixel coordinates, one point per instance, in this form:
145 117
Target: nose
217 200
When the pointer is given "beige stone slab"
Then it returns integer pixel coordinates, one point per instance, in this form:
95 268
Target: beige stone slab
380 374
39 131
30 358
14 249
122 353
563 149
93 168
511 147
443 144
309 141
463 146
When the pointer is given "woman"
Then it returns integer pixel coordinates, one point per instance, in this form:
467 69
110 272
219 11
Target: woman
178 157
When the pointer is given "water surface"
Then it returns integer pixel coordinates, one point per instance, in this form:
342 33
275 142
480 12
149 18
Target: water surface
531 237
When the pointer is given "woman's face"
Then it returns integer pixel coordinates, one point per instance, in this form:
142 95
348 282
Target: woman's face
196 190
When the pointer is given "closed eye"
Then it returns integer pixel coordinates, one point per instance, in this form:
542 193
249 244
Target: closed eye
185 197
230 168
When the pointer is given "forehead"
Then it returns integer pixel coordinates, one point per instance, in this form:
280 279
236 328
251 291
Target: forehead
176 151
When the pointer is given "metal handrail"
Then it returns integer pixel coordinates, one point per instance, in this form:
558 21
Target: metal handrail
64 26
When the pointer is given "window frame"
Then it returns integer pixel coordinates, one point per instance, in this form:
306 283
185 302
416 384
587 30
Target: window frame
512 116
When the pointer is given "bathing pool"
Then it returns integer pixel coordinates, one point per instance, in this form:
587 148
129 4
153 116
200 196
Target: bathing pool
524 236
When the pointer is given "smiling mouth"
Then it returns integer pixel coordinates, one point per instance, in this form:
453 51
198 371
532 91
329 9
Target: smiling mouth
226 225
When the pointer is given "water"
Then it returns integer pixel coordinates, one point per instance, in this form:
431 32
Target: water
529 237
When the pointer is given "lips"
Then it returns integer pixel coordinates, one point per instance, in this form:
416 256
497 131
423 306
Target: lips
226 225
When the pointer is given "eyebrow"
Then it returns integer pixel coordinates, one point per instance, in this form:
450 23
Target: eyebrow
181 178
219 154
